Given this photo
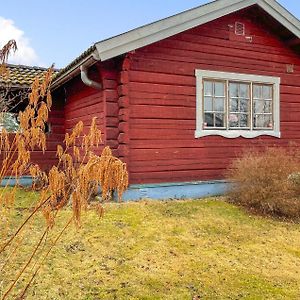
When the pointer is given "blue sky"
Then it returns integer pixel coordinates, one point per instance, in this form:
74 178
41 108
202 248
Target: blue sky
57 31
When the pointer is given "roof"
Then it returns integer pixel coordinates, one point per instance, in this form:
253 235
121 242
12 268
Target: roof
173 25
21 76
77 60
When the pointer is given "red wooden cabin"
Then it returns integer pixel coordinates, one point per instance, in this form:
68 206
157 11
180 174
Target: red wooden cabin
180 98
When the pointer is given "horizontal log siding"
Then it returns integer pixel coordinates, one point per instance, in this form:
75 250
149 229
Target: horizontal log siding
82 104
55 137
47 159
110 106
163 100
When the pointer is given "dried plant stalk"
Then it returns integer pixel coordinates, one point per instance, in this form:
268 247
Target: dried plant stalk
79 173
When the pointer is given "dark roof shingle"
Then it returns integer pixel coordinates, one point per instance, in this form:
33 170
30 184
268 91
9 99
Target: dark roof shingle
21 76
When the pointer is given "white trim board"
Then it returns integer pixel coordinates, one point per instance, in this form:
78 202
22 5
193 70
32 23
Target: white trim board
165 28
233 133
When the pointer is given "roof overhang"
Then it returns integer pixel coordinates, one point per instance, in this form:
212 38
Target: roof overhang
73 70
165 28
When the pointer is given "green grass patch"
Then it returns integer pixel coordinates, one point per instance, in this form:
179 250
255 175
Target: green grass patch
168 250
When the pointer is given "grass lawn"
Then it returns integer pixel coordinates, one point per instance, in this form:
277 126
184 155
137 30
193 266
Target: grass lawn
168 250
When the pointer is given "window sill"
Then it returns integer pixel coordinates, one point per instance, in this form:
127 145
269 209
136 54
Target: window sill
232 134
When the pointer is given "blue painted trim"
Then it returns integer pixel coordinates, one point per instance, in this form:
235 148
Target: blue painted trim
12 181
181 190
161 191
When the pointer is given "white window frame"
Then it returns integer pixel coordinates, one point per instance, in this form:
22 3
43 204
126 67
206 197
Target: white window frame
235 133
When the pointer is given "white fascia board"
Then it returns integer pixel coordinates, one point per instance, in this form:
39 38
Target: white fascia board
165 28
280 14
74 71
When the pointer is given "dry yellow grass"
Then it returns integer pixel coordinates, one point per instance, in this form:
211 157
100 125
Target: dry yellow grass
168 250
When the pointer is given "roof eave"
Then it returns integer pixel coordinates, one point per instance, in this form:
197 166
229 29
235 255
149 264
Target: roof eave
173 25
74 70
165 28
283 16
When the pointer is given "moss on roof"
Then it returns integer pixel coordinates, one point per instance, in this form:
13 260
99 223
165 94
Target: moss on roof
22 76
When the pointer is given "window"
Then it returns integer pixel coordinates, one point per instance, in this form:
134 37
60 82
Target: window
233 105
9 121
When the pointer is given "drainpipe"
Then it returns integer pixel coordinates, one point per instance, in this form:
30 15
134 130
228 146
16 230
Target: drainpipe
86 80
84 74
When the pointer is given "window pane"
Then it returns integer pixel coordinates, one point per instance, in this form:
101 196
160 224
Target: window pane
219 104
257 91
233 90
234 105
258 121
263 106
209 120
208 88
219 89
258 106
214 104
244 91
219 120
268 121
263 121
244 120
267 92
233 120
244 105
208 104
268 107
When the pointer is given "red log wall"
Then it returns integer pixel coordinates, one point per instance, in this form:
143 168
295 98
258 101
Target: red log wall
55 137
82 104
162 99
